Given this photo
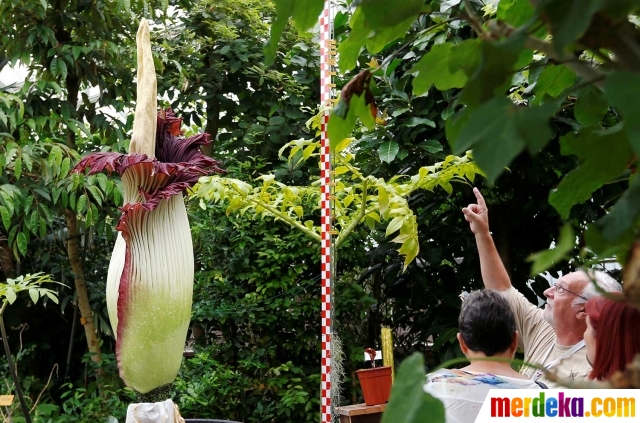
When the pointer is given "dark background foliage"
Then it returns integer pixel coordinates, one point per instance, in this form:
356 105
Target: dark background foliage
255 330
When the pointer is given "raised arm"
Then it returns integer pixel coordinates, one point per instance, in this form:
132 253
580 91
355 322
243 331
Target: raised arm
494 275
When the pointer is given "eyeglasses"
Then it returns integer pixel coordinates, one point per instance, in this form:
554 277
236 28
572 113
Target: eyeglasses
561 289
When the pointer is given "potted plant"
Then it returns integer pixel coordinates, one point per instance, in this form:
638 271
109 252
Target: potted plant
375 382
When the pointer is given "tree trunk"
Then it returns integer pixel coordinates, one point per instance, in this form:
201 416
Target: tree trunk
6 260
73 87
213 113
73 247
86 316
213 122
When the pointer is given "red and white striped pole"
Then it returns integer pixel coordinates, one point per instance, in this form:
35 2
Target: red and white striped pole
326 177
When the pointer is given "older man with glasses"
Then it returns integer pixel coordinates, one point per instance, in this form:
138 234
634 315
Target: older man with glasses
552 337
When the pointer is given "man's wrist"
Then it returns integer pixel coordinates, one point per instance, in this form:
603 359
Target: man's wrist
483 235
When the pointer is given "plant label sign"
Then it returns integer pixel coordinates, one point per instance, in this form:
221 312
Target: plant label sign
6 400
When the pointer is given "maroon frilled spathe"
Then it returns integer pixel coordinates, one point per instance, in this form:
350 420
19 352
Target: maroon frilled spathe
179 159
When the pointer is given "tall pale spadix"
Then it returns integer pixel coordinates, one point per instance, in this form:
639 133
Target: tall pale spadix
150 277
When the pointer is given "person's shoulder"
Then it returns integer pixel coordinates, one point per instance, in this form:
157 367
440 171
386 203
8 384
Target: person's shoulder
464 378
450 377
518 383
443 374
510 292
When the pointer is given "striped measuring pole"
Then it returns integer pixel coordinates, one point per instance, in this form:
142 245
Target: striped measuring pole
327 53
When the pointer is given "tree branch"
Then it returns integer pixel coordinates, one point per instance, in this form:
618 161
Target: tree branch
474 19
282 216
357 219
581 68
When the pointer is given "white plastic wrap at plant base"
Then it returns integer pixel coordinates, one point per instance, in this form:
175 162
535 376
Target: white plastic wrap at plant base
146 412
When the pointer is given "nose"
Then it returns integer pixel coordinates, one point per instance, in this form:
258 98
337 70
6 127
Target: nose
549 292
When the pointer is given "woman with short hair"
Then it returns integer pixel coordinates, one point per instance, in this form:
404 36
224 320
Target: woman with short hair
612 336
487 329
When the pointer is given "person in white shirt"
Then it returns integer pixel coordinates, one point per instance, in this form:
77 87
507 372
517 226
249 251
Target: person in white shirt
552 337
487 329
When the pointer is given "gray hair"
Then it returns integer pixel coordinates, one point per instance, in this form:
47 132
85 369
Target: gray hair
602 279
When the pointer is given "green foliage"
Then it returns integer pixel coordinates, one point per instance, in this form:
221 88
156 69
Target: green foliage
33 194
353 199
256 303
507 90
83 404
618 92
591 106
409 402
304 13
214 75
507 125
91 404
341 126
30 283
434 67
603 156
203 378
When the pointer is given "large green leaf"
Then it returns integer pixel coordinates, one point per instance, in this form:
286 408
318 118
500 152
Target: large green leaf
494 74
624 214
433 69
543 260
553 80
603 155
515 12
483 123
6 218
375 37
622 90
591 106
22 243
569 19
499 130
485 130
388 151
381 14
378 39
340 127
409 403
465 56
305 15
17 168
349 49
521 122
597 242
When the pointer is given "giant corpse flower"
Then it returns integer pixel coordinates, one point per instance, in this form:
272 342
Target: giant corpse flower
150 277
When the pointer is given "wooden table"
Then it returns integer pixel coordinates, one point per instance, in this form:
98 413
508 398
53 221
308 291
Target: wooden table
361 413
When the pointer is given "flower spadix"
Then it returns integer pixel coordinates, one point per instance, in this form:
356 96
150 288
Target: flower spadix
150 276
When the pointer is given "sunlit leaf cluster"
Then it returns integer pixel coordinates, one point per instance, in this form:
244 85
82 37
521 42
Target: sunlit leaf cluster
356 197
31 283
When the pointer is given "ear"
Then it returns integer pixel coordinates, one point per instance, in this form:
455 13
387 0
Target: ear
581 314
463 345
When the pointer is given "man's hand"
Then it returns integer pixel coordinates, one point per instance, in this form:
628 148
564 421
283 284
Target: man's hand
494 275
477 215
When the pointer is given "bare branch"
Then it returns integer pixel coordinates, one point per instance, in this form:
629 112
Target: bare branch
474 19
581 68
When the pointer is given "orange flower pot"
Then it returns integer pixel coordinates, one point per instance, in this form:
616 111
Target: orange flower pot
375 384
